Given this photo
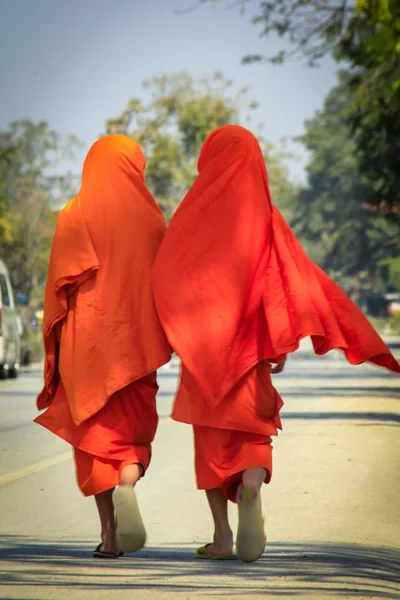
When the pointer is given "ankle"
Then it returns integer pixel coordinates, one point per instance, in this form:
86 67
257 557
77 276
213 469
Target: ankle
107 532
130 474
223 533
108 526
223 542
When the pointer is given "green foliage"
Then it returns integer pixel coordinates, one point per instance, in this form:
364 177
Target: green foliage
33 152
172 126
394 271
366 35
313 27
5 223
372 46
330 216
283 190
199 116
395 324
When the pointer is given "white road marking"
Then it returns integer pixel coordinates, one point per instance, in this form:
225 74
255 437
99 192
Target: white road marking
34 468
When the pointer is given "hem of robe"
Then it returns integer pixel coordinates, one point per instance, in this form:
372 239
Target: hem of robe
45 398
252 406
221 456
95 474
128 421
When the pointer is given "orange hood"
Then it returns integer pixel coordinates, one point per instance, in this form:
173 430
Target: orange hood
101 329
232 284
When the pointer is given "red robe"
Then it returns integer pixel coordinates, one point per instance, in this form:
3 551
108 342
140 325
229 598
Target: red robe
233 288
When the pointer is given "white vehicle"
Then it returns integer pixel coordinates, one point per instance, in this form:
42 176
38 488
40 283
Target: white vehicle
10 328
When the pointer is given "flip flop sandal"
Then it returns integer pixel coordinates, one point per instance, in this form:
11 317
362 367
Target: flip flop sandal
98 553
204 552
250 539
130 533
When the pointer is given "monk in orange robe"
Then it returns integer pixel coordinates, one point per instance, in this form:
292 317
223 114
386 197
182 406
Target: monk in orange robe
102 336
236 293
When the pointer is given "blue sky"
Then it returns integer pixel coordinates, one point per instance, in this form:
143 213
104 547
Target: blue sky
76 63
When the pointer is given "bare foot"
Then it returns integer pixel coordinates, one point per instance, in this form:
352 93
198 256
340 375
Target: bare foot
223 544
108 543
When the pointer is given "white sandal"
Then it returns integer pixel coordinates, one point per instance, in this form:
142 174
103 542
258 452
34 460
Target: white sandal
130 533
251 538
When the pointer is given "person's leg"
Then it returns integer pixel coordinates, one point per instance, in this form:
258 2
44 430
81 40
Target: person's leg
130 532
205 442
232 465
244 487
98 477
250 538
252 479
105 509
137 410
223 536
126 426
130 474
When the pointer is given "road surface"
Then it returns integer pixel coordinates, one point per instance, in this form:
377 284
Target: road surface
332 509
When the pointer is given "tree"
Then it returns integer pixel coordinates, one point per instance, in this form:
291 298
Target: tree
330 219
366 35
283 190
172 126
394 272
28 183
372 46
5 222
314 28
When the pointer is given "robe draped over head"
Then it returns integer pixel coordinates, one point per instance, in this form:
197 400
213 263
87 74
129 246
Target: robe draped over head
234 287
101 329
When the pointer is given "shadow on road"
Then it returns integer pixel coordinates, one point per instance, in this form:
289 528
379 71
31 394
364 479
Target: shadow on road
8 393
343 392
285 569
377 417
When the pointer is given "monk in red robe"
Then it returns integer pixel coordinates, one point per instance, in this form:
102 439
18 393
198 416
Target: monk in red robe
236 293
102 336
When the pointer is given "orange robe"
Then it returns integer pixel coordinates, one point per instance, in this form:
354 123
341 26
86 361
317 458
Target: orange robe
236 434
102 336
234 289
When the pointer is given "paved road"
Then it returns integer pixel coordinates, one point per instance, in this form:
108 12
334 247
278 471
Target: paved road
332 509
